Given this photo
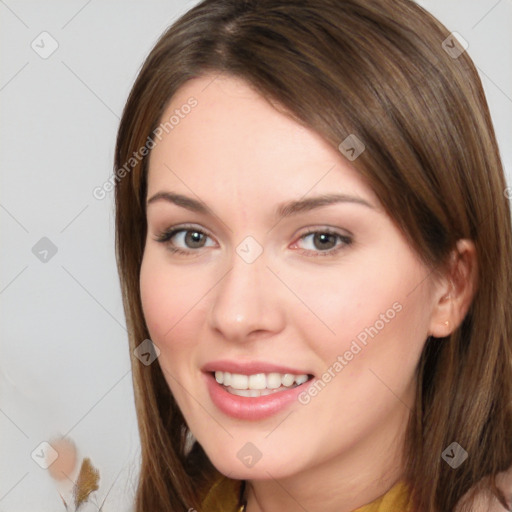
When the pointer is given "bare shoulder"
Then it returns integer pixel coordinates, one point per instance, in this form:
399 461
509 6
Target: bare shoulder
485 501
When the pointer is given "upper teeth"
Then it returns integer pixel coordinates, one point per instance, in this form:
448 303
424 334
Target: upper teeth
259 380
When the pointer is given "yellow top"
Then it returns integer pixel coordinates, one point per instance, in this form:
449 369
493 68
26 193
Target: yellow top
224 497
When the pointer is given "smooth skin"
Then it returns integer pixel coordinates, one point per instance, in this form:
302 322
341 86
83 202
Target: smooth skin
301 303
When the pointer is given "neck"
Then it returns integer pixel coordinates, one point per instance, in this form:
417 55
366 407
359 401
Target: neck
341 483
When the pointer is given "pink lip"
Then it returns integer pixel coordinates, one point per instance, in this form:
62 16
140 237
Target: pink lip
249 367
250 408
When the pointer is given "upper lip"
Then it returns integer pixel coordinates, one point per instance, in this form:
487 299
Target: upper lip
250 367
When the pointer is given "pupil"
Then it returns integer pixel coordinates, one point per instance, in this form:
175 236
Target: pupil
324 237
194 237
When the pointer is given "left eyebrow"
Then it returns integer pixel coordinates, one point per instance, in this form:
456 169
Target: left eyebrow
294 207
283 210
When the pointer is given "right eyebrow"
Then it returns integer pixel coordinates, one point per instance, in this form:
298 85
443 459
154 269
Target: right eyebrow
283 210
179 200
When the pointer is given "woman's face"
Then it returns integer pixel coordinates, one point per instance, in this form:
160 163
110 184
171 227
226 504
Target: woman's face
269 261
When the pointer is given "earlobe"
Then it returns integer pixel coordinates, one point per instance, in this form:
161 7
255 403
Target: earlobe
456 290
442 323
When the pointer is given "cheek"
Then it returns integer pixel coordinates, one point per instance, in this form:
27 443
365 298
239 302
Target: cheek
174 302
170 306
370 311
166 299
337 305
156 301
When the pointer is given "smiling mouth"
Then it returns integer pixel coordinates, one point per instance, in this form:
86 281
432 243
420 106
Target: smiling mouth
259 384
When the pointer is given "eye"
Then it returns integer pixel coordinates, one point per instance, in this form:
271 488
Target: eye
187 238
324 242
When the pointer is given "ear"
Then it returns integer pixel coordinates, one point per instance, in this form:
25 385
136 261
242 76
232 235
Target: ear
455 290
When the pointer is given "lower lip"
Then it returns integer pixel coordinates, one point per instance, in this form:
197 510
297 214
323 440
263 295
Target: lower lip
251 408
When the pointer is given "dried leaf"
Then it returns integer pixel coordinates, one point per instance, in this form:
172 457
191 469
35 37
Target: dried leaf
86 483
63 501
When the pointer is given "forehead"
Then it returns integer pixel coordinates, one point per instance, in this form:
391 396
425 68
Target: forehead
235 139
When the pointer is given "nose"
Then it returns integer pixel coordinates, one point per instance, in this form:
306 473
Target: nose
246 302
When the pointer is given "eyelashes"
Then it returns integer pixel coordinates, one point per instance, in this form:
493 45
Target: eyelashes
167 236
197 239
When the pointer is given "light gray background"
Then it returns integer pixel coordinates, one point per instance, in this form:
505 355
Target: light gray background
64 362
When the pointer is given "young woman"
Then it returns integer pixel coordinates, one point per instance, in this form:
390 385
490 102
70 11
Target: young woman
313 231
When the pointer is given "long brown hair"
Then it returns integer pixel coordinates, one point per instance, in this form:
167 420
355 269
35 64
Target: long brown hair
382 71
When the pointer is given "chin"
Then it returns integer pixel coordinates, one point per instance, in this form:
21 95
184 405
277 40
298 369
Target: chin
241 466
